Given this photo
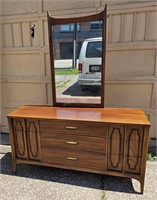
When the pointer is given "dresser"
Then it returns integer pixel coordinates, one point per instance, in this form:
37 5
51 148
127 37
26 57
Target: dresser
109 141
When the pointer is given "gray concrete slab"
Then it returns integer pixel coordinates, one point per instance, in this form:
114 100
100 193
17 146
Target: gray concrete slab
46 183
36 182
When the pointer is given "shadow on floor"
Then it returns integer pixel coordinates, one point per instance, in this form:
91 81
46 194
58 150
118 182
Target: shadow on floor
71 177
75 90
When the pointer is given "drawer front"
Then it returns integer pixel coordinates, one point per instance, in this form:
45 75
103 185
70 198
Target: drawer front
74 127
75 142
70 158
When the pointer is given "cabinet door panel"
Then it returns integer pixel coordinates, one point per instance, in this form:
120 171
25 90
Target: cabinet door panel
20 138
134 148
115 147
33 136
133 165
115 163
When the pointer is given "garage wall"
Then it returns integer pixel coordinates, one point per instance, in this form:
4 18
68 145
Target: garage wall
131 72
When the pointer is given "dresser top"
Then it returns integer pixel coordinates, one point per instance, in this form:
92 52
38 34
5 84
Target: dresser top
110 115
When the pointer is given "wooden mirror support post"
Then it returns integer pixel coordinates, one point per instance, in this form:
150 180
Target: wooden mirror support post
111 141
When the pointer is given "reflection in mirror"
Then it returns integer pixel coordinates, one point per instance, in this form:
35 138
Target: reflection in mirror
77 52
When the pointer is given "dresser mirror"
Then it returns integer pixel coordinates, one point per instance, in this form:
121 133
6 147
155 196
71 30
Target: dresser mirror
77 57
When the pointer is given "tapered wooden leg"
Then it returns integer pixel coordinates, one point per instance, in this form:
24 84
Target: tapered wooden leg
14 167
142 186
10 121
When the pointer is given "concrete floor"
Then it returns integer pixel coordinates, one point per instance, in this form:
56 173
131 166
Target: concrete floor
45 183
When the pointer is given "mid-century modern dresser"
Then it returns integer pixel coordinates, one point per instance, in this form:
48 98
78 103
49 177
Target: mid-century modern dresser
79 133
101 140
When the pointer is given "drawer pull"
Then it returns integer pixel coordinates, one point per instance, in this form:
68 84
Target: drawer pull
72 158
71 127
71 142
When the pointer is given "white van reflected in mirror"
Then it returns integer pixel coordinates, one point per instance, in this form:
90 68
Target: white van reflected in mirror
90 63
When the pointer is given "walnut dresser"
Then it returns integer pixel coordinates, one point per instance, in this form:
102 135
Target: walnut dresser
109 141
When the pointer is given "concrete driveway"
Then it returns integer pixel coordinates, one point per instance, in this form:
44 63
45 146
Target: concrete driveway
45 183
71 88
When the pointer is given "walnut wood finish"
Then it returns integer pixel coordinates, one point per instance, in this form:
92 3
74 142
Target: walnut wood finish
110 115
73 127
75 158
102 140
20 138
33 139
73 142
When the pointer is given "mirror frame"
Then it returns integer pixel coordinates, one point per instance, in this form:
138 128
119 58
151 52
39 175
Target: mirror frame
61 21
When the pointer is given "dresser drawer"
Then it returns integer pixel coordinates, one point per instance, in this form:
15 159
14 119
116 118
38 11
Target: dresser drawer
79 159
82 143
73 127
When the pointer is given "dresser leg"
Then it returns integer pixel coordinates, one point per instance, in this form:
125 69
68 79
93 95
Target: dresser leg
14 167
142 186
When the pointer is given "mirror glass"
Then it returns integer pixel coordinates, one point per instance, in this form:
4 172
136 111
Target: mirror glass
77 54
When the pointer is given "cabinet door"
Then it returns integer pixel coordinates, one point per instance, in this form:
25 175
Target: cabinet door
115 147
33 139
134 148
19 131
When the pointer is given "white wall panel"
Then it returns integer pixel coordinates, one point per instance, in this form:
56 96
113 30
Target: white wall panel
15 94
152 28
26 34
128 27
2 39
35 40
8 35
140 26
14 7
135 63
45 27
116 28
67 4
128 95
47 65
49 93
21 65
131 69
17 36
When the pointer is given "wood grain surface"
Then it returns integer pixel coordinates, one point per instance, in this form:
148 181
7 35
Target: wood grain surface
109 115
